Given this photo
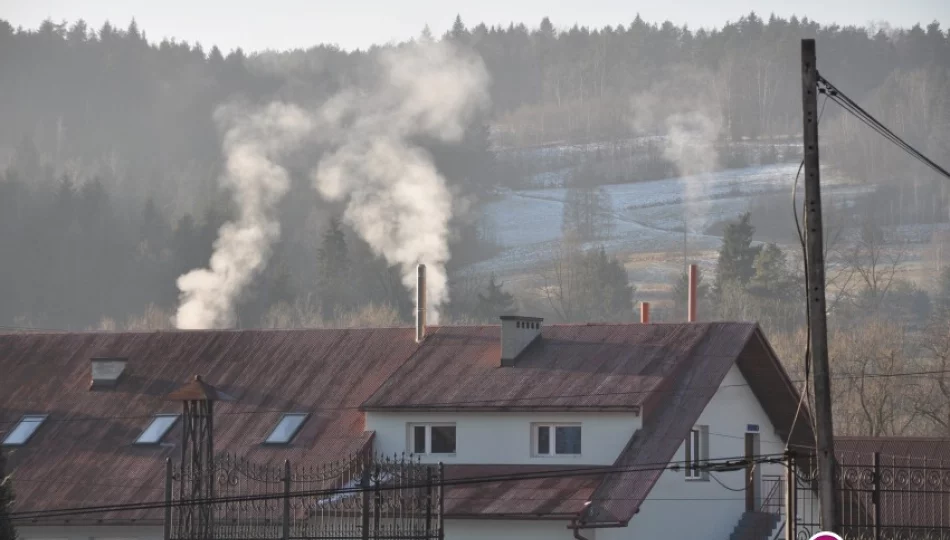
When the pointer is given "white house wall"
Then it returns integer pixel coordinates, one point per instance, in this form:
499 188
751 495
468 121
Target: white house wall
482 529
681 508
505 438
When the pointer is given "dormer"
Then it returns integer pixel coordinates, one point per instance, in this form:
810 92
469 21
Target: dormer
517 332
106 372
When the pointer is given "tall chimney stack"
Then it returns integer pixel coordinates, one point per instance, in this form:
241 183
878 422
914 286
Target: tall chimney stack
644 312
420 303
692 293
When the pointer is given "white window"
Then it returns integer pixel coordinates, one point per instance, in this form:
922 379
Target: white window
286 428
556 439
157 429
24 429
697 453
432 438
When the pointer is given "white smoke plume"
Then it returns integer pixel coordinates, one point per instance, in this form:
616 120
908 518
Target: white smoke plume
686 111
253 144
395 198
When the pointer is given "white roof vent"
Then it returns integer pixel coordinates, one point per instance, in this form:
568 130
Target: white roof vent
107 371
517 333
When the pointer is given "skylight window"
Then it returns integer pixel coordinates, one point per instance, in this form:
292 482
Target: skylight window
156 431
286 429
25 429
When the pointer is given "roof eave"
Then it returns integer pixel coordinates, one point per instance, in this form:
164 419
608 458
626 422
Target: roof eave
512 516
504 408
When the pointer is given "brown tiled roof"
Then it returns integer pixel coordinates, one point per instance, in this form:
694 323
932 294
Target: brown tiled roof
573 367
532 495
83 454
915 472
931 451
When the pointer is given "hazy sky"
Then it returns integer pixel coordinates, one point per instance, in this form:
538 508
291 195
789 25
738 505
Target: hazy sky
283 24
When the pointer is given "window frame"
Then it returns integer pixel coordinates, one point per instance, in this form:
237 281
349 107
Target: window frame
552 439
696 454
411 438
304 416
161 436
42 419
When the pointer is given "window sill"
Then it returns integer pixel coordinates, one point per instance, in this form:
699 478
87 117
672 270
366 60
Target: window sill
555 456
696 479
434 455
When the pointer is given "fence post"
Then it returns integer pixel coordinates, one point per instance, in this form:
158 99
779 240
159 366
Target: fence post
441 501
428 503
377 500
167 526
286 518
364 485
876 496
791 497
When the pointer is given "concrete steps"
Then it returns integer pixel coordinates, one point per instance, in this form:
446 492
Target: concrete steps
755 526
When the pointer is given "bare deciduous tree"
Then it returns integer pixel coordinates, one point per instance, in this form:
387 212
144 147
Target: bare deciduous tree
934 402
561 283
872 397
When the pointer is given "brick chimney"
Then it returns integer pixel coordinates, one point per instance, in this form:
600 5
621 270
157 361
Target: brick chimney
517 333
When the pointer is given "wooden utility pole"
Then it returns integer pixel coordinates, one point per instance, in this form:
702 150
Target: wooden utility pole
815 270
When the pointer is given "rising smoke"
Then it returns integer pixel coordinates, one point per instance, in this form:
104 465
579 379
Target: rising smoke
685 111
253 145
395 198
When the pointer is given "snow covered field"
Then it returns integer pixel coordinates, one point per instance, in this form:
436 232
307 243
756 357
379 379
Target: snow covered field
648 217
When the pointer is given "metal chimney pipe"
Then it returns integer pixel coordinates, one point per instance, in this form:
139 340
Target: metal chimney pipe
692 293
420 303
645 312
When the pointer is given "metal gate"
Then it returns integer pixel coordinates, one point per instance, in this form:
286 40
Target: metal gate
364 497
882 497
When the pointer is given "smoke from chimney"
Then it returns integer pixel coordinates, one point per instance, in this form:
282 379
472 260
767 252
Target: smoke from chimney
687 111
396 200
253 144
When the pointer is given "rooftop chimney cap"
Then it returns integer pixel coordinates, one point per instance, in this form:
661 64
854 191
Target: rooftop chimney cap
106 371
521 318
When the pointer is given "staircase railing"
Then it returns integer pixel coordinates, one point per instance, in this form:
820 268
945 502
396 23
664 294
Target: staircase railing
774 500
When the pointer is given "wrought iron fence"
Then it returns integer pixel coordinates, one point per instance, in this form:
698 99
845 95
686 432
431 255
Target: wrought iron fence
881 498
364 497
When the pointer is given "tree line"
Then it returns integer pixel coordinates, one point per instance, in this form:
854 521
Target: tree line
109 156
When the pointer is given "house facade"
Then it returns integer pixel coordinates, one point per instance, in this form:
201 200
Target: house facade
597 431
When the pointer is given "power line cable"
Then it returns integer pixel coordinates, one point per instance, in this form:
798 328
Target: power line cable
65 480
561 473
852 107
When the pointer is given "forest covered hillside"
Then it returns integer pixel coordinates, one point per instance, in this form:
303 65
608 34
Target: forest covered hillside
111 156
